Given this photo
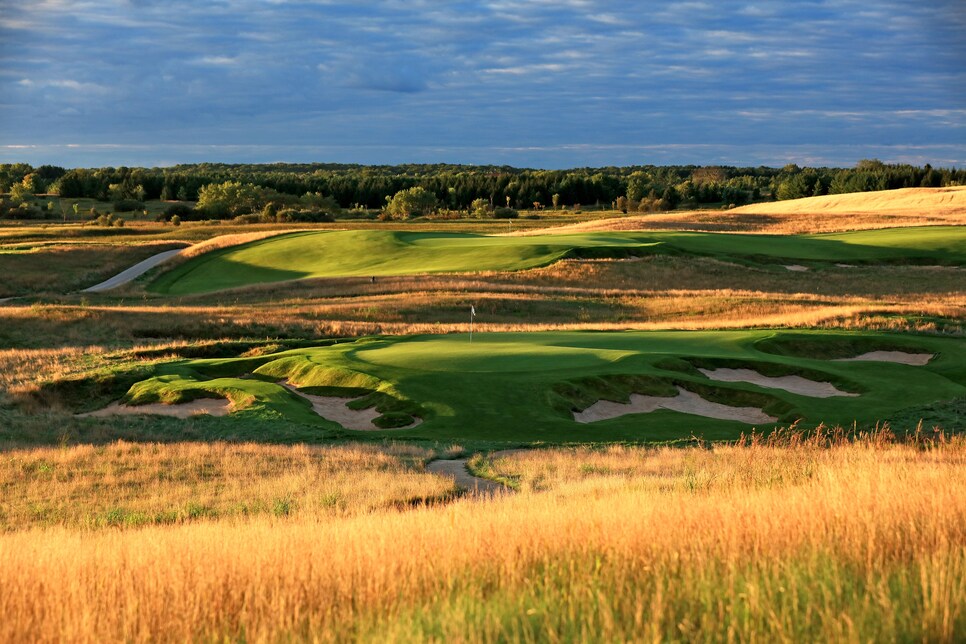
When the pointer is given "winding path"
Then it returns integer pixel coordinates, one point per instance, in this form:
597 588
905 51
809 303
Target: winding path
475 486
134 272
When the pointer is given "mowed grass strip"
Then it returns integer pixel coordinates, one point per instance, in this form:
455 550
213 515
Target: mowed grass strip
381 253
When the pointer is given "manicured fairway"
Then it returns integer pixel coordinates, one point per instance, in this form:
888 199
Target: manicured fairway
380 253
523 387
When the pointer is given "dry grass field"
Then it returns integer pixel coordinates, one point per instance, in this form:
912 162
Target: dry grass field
794 541
831 213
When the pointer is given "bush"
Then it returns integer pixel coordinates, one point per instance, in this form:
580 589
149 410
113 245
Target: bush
175 220
182 211
128 205
505 213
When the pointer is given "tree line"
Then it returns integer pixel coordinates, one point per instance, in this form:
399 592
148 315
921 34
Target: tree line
469 188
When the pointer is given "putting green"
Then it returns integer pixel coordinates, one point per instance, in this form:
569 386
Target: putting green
379 253
524 387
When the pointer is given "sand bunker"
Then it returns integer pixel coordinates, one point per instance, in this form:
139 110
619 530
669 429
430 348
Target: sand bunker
199 407
793 384
798 268
901 357
337 410
685 402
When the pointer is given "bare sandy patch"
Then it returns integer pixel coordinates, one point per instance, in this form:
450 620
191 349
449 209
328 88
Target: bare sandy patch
199 407
793 384
901 357
337 410
798 268
685 402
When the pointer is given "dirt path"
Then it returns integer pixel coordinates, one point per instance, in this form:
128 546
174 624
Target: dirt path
134 272
476 486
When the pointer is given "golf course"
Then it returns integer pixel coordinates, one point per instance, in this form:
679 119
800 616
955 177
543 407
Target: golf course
304 255
525 388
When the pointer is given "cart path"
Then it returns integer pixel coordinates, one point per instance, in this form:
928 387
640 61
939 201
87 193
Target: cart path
134 272
475 486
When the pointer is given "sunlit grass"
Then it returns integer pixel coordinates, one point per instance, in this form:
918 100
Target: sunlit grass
859 542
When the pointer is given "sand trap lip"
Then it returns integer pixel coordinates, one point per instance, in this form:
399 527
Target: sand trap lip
336 409
685 402
792 384
798 268
900 357
199 407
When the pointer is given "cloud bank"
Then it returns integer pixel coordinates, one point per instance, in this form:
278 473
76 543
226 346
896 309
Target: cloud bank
531 82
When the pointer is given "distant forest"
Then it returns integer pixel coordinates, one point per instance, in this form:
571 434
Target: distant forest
457 187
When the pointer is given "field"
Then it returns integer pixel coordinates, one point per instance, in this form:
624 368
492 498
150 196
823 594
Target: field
700 436
793 542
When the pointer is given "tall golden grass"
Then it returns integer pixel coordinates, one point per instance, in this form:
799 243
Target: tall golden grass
129 484
856 542
831 213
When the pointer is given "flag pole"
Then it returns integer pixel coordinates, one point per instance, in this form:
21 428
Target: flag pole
472 315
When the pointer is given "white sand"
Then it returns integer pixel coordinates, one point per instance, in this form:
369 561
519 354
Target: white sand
798 268
201 406
337 410
793 384
901 357
685 402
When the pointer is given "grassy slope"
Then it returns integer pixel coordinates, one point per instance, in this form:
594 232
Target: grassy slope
380 253
500 387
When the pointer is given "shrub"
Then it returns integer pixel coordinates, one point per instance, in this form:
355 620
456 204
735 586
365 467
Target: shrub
175 220
128 205
505 213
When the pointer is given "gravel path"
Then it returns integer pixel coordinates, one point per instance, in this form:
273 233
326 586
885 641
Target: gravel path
134 272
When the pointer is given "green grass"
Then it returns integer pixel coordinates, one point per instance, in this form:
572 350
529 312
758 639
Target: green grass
520 387
381 253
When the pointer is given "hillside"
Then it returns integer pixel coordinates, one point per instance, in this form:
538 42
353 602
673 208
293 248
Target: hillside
830 213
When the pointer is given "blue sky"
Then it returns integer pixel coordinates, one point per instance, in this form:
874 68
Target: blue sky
536 83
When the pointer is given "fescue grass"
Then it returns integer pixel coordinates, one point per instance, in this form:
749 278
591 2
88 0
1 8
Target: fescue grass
132 485
855 542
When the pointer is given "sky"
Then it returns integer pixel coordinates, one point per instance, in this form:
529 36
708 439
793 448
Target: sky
529 83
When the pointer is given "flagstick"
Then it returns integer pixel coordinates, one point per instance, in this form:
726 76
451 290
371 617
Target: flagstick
471 325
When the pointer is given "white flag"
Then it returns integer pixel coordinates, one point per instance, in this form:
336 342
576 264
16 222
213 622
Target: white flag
472 311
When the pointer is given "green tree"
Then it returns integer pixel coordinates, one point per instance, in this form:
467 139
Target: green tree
412 202
19 193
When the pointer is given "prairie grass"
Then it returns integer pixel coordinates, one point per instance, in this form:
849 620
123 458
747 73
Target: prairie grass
61 268
861 541
128 484
830 213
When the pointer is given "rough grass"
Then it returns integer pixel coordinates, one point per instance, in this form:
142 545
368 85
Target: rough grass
131 485
857 542
832 213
